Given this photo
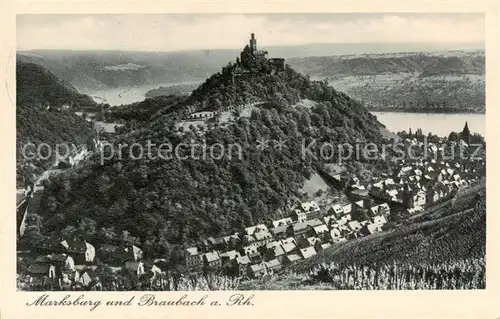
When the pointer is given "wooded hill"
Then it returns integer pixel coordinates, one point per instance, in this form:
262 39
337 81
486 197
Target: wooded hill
159 203
36 85
37 89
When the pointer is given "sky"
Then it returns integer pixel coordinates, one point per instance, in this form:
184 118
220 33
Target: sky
171 32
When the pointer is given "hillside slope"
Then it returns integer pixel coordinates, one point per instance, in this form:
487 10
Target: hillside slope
444 83
446 252
37 88
161 202
36 85
425 63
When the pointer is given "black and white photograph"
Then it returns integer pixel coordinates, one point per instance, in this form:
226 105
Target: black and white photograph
250 151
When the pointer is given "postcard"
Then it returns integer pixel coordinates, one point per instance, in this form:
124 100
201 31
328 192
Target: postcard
278 160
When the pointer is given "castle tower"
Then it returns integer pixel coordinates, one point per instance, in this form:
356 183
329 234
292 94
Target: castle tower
253 43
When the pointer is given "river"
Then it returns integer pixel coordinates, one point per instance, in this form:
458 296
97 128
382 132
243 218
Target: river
439 124
127 95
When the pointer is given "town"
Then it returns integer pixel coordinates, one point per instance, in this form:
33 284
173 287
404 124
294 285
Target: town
366 207
361 206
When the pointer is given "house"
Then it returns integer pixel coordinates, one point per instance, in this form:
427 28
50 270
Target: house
369 229
233 241
85 279
257 228
273 265
297 230
311 209
307 252
63 262
242 265
379 220
131 253
335 233
42 270
325 246
81 251
257 270
354 225
314 222
220 243
289 245
336 210
201 115
320 230
249 240
329 220
347 208
69 278
212 260
193 258
381 209
275 251
419 198
289 259
282 222
298 215
344 219
313 241
263 237
135 267
157 271
229 255
279 231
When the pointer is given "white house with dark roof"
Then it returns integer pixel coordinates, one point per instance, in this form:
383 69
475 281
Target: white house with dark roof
212 259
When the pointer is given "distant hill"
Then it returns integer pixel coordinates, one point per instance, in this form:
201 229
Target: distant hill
426 64
181 89
97 70
36 85
438 82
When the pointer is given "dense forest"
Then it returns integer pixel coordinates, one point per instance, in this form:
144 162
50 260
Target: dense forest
37 125
156 202
37 89
36 85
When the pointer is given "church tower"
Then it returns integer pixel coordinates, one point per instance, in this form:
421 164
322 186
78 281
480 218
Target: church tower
466 134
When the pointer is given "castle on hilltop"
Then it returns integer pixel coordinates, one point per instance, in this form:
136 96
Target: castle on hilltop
254 61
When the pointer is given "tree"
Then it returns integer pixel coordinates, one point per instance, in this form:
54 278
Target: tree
453 137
